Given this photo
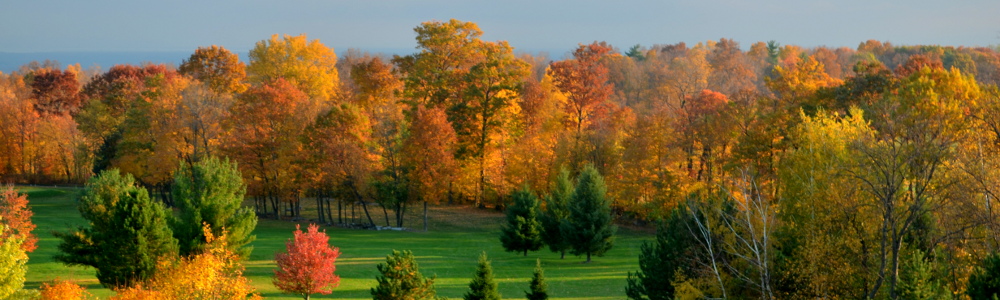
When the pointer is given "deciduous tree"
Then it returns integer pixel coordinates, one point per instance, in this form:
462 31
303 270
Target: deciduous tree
13 264
55 91
308 65
218 68
585 81
264 127
64 290
16 216
429 149
307 266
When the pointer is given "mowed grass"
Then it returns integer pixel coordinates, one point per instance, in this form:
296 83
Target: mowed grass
456 236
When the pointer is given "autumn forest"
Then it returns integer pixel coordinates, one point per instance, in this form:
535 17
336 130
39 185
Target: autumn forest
768 171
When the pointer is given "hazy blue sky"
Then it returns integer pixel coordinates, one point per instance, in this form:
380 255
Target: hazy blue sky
532 25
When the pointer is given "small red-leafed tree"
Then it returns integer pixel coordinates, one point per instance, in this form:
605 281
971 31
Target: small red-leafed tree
307 266
16 216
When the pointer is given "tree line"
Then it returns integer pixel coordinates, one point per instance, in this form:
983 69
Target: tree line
775 172
462 120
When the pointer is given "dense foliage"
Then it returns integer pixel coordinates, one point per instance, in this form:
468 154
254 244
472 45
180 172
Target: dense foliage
780 172
127 232
210 192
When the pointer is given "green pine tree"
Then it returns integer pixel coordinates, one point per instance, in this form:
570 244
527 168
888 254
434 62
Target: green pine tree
660 262
589 230
984 283
128 231
538 285
400 279
482 286
211 191
635 52
522 232
916 280
556 212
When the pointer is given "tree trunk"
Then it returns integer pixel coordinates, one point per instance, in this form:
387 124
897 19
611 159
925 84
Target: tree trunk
588 257
340 209
319 208
525 252
386 213
563 255
425 216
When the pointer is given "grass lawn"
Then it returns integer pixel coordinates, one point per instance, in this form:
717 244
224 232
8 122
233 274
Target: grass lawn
449 249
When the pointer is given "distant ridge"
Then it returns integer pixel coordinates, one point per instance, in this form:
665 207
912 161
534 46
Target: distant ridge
12 61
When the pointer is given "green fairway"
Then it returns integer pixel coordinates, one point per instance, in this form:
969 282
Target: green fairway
449 250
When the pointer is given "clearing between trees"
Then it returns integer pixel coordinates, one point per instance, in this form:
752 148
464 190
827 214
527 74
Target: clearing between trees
456 238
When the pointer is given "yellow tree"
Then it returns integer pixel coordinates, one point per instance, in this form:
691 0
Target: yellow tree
825 210
434 76
215 273
796 86
491 89
220 69
308 65
904 164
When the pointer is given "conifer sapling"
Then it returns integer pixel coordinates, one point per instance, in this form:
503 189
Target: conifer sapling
482 286
538 285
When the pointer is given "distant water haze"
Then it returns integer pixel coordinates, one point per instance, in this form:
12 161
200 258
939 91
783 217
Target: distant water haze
12 61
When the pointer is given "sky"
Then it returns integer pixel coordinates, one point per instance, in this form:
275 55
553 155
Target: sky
528 25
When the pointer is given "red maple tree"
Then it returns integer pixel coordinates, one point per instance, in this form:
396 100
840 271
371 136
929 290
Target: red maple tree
307 266
15 214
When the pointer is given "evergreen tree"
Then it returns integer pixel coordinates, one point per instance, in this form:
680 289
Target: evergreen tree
589 230
211 191
400 279
660 262
984 283
482 286
917 282
128 231
538 285
556 212
635 52
522 232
